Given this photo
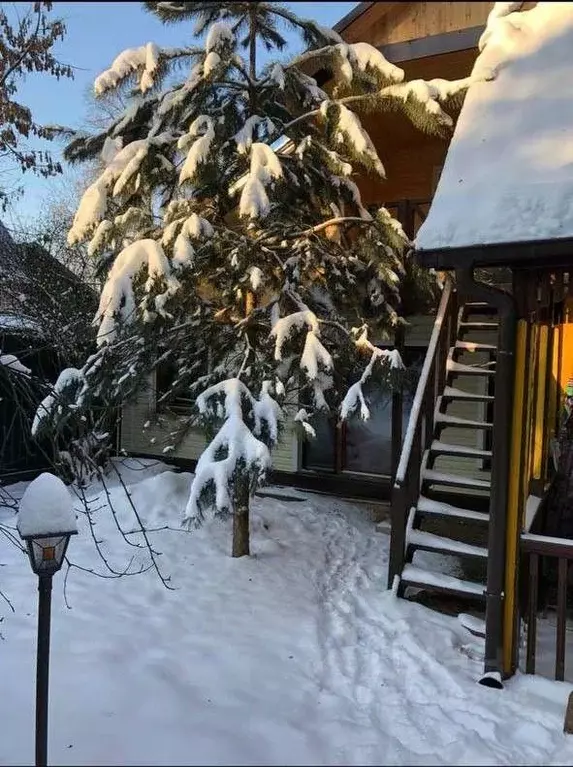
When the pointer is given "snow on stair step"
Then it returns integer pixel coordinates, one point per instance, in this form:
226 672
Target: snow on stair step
460 450
458 367
471 346
415 576
479 325
451 392
439 543
437 508
474 625
455 480
462 423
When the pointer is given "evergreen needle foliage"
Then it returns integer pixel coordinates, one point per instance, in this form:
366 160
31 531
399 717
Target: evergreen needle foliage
231 229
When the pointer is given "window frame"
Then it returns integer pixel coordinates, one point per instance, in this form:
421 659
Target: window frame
180 405
339 435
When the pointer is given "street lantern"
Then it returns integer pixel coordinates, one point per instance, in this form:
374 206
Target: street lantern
47 552
46 520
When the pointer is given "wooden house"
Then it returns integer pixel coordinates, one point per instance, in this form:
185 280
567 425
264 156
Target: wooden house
504 200
427 40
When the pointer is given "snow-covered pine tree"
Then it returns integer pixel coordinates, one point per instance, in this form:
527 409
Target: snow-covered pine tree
232 227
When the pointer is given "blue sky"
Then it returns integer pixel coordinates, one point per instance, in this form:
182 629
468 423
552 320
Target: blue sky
96 33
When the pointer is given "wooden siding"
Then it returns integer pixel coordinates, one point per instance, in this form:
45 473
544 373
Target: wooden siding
152 441
386 23
135 439
410 173
411 158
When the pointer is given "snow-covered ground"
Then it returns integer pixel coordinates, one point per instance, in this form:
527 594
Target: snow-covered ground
296 655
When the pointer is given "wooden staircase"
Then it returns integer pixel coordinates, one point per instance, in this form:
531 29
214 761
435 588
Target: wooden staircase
440 502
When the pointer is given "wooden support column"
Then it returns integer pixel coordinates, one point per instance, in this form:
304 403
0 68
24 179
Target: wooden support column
554 398
566 371
510 616
528 428
540 434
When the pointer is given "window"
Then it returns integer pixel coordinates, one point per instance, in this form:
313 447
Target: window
166 374
364 447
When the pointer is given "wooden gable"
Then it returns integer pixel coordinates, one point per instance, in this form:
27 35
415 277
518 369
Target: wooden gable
389 23
428 40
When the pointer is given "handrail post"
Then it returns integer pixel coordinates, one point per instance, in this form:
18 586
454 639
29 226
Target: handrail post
398 537
532 613
536 548
397 409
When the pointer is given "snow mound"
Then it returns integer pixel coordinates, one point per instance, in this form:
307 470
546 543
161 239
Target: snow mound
297 649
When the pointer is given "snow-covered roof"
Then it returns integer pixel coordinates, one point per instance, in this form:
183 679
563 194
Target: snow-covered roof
508 174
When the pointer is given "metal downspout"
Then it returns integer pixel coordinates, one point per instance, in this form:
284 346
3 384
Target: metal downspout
502 419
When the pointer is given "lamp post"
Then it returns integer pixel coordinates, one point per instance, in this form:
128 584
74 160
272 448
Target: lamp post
46 520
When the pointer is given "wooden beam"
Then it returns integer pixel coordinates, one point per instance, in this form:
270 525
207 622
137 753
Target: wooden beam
549 254
541 420
530 397
566 371
513 510
434 45
554 392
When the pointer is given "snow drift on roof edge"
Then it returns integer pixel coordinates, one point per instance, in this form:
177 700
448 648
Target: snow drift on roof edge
508 175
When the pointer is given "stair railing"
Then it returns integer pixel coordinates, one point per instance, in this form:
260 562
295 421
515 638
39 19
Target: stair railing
419 434
543 556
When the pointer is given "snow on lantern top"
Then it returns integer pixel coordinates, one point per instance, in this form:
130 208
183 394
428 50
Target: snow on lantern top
46 508
508 174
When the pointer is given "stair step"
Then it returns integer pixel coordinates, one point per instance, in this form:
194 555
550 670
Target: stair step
446 584
478 305
470 325
475 626
427 506
464 498
471 346
455 480
478 308
439 544
450 392
443 448
475 370
462 423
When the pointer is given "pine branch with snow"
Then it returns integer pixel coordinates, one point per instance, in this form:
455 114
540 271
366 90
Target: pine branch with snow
238 458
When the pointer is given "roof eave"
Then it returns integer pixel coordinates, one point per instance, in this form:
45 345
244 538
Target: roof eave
541 253
351 16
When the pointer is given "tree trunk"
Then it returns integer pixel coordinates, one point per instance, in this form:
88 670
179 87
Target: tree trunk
241 534
241 547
